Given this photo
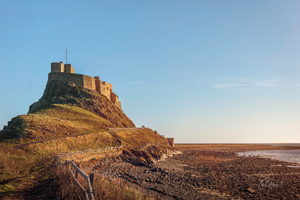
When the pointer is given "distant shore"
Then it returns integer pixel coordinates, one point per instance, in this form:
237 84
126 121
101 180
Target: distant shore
272 144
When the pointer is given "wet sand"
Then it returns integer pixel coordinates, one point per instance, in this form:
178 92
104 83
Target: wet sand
212 172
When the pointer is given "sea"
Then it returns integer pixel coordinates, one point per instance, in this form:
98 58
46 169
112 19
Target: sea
292 156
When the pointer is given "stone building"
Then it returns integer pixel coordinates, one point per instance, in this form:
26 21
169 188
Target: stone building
171 141
66 73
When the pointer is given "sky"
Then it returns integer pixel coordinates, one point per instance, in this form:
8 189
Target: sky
209 71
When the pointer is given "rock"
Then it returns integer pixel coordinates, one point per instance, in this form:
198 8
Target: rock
251 190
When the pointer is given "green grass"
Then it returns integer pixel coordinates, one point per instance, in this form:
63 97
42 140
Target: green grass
139 137
56 120
30 165
90 141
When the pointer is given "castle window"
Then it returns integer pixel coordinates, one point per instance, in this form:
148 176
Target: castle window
54 68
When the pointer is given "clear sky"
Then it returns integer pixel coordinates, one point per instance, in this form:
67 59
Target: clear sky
200 71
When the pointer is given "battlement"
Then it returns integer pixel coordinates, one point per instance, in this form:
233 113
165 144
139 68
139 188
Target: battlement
66 73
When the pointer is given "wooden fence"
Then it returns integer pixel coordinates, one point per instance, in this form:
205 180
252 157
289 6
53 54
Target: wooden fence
75 171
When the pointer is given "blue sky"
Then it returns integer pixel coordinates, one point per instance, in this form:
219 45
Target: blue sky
200 71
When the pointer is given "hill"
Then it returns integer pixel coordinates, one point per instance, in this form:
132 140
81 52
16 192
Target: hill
67 119
66 109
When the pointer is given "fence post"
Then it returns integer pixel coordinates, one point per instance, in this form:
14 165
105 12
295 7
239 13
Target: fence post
76 174
92 178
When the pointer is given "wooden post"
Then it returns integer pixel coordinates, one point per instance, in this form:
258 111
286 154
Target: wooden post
92 178
76 174
86 195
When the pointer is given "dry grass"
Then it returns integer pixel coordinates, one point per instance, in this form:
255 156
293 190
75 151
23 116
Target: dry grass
104 189
18 169
56 120
139 137
22 168
28 165
90 141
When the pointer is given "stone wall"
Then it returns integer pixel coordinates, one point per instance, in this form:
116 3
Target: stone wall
68 154
97 84
171 141
66 77
69 68
66 73
106 89
57 67
89 82
114 98
78 79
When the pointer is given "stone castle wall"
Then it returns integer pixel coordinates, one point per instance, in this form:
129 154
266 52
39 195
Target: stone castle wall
66 73
69 68
67 77
87 82
106 89
79 79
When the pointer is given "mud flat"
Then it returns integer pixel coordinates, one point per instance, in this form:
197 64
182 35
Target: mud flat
206 172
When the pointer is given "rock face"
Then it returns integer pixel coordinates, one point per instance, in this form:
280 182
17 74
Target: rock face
58 92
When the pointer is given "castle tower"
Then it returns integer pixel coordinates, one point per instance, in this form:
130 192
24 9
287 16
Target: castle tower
69 68
57 67
97 84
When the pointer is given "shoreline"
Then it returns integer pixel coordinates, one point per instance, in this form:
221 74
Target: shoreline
210 172
257 144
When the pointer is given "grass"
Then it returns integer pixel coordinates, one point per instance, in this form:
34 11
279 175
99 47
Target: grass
139 137
30 166
27 168
63 119
104 189
90 141
18 169
56 120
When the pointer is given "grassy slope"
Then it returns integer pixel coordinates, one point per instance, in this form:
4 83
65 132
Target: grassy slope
28 166
139 137
90 141
57 120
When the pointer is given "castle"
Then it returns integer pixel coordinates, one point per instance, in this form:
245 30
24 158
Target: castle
66 73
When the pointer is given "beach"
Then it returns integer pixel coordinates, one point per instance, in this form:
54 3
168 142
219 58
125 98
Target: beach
207 172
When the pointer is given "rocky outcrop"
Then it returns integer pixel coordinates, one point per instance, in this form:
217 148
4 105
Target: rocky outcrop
60 92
